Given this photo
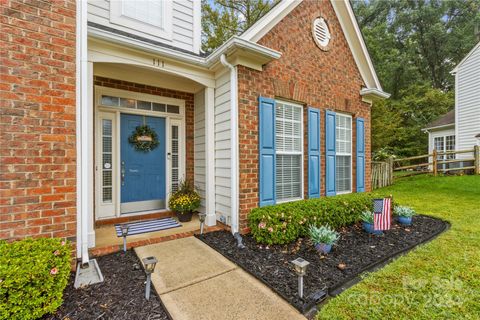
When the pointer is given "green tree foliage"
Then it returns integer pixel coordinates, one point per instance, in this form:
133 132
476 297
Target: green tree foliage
397 123
222 19
414 45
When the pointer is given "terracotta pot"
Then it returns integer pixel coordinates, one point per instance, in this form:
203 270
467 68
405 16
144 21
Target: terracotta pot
184 216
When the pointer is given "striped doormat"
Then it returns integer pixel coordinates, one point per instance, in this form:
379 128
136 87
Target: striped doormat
147 226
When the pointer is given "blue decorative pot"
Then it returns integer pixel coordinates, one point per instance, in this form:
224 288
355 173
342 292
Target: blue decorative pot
368 227
323 248
406 221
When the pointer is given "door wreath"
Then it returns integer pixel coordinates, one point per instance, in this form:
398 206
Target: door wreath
144 139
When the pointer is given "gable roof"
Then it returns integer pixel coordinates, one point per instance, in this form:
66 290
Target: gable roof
477 46
350 29
445 120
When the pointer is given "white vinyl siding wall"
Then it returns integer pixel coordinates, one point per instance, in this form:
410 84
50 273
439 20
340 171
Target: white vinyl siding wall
199 145
183 23
467 111
223 149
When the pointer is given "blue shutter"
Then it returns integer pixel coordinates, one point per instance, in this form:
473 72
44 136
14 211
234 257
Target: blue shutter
330 150
360 155
314 153
266 137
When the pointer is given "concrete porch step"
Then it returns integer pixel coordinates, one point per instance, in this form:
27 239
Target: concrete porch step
108 242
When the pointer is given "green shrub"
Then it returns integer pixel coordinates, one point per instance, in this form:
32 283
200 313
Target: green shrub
33 275
286 222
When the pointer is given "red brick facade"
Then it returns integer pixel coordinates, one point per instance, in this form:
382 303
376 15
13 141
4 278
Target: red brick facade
189 111
306 75
37 119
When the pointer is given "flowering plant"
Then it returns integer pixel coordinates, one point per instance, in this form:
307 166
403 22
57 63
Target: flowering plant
367 216
185 199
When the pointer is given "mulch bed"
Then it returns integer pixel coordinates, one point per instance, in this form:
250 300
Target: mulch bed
120 296
355 252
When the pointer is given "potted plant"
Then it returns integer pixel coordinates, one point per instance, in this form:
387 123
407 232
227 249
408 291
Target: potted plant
404 215
323 238
184 201
367 218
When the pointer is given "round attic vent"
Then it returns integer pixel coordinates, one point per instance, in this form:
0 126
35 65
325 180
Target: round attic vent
321 33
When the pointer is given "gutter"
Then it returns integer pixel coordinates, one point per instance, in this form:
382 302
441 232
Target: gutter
444 126
374 93
234 143
233 43
82 126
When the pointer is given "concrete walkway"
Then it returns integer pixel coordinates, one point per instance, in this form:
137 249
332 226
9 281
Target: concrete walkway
196 282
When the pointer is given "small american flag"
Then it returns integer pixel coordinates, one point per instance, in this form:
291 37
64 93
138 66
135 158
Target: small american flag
382 214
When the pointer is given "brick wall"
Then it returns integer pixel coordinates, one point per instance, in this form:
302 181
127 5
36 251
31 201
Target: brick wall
304 74
37 119
189 112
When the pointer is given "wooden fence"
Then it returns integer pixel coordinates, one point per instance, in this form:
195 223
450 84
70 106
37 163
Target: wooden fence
435 162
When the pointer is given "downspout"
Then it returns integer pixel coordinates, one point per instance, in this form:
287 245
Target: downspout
81 129
233 148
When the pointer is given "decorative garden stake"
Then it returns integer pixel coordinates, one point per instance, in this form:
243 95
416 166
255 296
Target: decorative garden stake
124 228
149 263
201 217
301 269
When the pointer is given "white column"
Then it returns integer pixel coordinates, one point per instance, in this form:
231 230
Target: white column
211 219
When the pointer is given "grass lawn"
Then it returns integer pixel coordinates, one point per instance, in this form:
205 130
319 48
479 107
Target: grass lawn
439 280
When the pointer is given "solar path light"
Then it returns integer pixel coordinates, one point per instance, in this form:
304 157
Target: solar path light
124 228
201 217
149 263
300 269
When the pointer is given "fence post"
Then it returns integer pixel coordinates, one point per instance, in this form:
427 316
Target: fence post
476 154
390 170
434 155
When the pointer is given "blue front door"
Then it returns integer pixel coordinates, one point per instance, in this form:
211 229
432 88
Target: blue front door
143 181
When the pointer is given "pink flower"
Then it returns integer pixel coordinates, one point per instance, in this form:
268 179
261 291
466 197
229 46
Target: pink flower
270 229
63 243
54 271
262 225
56 252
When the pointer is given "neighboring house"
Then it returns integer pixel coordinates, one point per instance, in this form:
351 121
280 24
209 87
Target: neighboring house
459 129
280 113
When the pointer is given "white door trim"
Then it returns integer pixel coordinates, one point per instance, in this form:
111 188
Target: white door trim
102 111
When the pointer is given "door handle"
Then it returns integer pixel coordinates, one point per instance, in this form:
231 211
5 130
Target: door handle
122 173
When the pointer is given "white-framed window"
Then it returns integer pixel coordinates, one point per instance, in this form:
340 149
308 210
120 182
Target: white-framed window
343 147
289 150
150 16
444 143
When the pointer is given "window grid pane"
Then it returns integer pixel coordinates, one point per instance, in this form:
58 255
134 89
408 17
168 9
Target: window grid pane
112 101
107 168
288 140
175 158
450 146
343 144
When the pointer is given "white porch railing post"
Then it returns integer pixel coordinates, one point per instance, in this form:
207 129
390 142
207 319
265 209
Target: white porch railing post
210 157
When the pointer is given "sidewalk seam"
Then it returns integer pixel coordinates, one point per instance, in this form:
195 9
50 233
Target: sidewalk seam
202 280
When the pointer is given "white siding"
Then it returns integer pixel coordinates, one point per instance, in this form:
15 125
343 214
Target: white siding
468 102
183 23
222 149
199 145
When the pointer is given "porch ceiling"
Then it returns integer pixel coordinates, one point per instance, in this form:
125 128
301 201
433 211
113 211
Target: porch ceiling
144 75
